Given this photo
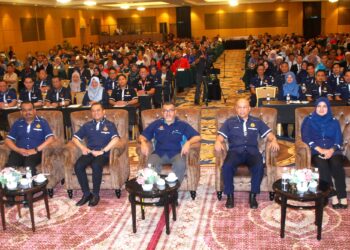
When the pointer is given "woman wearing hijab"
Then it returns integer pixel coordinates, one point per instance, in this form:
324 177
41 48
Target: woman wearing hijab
76 85
322 132
290 87
95 93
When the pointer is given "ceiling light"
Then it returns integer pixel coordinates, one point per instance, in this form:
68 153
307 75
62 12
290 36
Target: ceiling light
90 3
333 1
140 8
233 2
124 6
63 1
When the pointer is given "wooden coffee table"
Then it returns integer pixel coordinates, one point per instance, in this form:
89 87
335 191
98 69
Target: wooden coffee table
24 196
168 194
287 193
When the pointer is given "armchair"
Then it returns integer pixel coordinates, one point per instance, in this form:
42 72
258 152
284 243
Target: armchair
192 175
117 172
302 150
51 162
242 177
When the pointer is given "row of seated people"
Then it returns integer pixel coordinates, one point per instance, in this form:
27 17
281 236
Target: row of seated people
313 86
58 95
30 135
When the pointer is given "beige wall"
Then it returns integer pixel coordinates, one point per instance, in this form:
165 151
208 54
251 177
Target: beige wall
330 19
10 30
295 19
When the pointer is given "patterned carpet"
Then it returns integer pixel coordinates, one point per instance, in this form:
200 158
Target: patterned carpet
201 224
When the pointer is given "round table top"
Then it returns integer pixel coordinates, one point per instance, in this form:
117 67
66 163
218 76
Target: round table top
35 187
136 189
323 190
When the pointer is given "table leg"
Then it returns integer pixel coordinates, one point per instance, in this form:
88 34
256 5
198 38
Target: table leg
133 211
31 211
46 203
283 214
173 206
142 209
319 217
166 214
2 211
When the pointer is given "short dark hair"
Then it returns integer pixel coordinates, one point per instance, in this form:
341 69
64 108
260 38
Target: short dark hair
27 102
321 70
169 103
310 65
97 104
123 75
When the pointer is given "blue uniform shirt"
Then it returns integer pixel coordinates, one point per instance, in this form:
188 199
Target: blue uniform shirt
111 84
315 90
56 95
169 138
32 135
33 95
97 134
243 136
334 81
8 96
256 82
126 94
343 90
330 137
146 85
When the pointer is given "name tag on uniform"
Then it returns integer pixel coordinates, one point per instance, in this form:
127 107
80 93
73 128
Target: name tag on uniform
235 127
176 132
253 128
37 129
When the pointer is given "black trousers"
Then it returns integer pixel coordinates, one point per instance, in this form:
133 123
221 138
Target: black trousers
96 163
333 167
18 160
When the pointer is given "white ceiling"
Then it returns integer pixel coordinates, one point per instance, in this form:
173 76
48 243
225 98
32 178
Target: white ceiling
113 4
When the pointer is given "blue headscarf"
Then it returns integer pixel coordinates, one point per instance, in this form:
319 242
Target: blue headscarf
291 88
322 122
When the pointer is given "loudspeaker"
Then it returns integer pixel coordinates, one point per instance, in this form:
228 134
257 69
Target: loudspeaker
183 22
163 28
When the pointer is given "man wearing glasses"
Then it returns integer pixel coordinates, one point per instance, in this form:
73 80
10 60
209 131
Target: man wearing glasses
173 138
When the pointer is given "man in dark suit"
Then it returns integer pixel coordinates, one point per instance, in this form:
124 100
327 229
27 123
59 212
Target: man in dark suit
296 68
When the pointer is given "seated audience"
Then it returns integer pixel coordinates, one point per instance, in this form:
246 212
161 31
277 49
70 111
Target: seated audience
8 97
123 95
343 89
319 88
30 93
260 80
58 95
44 81
336 78
322 133
11 77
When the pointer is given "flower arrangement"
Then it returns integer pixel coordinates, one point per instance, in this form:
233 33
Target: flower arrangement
147 176
9 175
301 175
302 179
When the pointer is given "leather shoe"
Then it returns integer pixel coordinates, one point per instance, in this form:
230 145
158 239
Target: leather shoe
94 201
84 200
336 206
229 201
252 201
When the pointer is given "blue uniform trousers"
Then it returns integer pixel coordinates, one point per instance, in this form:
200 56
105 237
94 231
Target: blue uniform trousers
235 159
97 164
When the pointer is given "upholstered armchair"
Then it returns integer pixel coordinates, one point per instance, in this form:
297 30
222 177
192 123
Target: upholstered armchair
193 117
51 162
117 172
302 150
242 178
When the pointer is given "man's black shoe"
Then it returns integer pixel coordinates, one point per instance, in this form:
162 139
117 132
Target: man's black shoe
84 200
252 201
229 201
94 201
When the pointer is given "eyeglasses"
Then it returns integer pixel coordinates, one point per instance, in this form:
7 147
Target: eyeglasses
168 110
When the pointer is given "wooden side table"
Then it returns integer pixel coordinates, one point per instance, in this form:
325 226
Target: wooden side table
24 196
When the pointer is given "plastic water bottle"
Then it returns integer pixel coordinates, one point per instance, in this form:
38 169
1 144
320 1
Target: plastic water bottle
268 98
303 88
288 98
6 103
62 102
29 175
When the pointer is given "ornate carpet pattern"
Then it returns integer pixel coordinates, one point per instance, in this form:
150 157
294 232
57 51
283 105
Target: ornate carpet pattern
201 224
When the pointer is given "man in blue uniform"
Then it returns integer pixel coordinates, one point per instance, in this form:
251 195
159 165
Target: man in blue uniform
173 138
58 93
44 81
319 88
123 95
336 78
241 132
144 86
259 80
28 137
8 97
101 135
343 90
111 82
30 93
